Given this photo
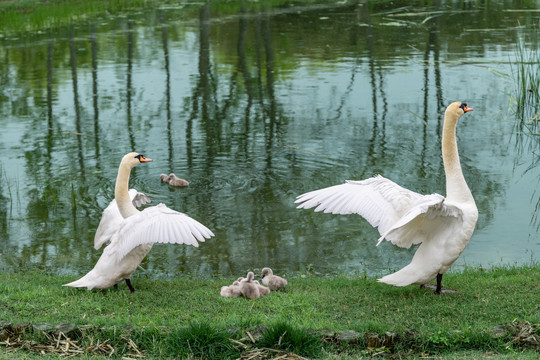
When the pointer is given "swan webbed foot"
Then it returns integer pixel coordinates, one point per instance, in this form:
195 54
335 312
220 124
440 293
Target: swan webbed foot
438 291
130 286
447 291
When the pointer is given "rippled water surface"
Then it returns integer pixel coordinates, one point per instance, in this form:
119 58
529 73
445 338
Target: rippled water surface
254 109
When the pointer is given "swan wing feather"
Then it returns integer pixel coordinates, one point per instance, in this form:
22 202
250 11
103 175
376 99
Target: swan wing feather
158 224
430 215
379 200
111 220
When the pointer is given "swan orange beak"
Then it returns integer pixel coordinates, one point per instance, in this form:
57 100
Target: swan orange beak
467 109
144 159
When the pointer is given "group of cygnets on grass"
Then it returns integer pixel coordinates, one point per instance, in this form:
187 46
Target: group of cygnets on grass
250 288
247 287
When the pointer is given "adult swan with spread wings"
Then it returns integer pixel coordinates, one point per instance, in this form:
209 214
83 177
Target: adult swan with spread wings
442 225
131 233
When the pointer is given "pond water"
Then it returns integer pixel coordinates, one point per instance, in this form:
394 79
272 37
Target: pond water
253 109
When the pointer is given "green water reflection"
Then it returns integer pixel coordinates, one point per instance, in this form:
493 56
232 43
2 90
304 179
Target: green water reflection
254 109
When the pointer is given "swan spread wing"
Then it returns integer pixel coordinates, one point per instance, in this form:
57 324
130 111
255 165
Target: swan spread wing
398 213
380 201
412 228
158 224
111 220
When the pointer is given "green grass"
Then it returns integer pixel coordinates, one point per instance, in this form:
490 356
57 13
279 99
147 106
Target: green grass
339 302
284 336
27 16
38 15
180 317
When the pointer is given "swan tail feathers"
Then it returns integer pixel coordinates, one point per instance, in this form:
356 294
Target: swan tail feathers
89 281
403 277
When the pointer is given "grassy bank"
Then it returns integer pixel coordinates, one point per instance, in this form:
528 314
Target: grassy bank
38 15
18 17
312 317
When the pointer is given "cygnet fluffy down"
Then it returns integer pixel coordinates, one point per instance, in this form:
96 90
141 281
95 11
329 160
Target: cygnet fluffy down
176 181
274 282
249 289
232 291
263 290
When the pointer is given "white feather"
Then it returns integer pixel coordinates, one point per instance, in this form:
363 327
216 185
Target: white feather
379 200
157 224
112 219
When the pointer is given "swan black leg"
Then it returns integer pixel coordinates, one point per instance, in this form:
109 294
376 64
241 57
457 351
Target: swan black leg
438 289
439 284
131 288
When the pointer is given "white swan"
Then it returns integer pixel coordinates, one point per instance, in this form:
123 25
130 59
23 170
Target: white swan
130 233
443 226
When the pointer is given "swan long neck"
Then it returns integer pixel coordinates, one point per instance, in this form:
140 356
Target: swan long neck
121 193
456 186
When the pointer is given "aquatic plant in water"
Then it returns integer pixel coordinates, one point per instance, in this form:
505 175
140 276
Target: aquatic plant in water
526 100
526 96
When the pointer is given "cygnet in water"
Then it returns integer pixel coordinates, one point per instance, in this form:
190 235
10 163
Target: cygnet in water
176 181
164 178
